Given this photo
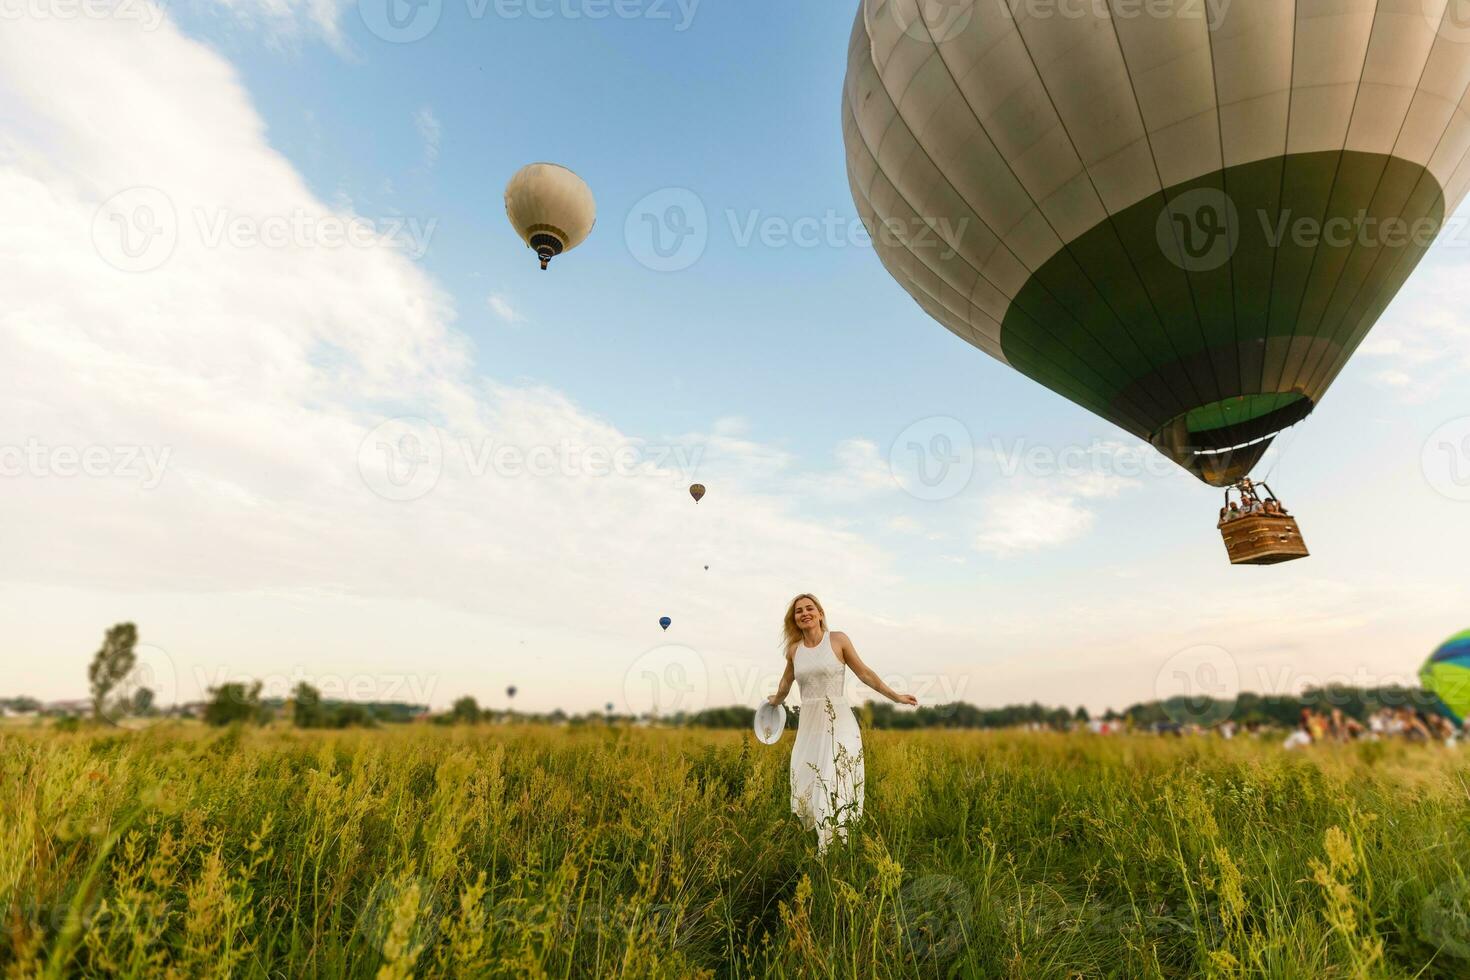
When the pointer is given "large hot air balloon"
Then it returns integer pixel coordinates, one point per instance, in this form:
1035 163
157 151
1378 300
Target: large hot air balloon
551 208
1185 223
1446 674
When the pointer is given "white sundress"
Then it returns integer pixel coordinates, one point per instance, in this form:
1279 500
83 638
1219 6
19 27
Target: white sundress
827 759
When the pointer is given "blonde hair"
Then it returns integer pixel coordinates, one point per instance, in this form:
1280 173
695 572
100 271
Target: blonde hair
790 632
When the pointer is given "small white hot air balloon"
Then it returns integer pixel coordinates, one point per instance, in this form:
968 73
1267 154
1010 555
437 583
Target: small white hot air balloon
551 208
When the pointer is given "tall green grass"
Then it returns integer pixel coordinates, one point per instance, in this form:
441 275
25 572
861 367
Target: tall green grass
643 853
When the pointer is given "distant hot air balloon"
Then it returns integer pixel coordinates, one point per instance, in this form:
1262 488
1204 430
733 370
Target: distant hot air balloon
551 208
1446 674
665 622
510 692
1112 205
696 491
609 707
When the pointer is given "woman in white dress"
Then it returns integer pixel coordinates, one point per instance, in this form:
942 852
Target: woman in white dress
827 760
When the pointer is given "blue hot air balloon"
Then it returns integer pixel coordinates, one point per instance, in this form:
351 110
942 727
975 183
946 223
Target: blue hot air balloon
665 622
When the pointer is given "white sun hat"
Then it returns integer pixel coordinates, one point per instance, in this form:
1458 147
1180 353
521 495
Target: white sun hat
770 722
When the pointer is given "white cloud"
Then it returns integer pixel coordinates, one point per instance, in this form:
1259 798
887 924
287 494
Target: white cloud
862 470
289 22
1425 335
500 306
431 132
1016 522
264 370
731 425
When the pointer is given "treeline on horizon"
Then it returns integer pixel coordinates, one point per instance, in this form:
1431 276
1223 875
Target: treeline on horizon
1246 709
241 703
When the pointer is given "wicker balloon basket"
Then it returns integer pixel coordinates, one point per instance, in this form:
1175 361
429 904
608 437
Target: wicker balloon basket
1257 529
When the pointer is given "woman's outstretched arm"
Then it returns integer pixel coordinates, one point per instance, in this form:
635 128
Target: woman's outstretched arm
787 677
843 647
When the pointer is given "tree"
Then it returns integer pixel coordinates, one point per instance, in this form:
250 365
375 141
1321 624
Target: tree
353 715
307 711
1081 714
112 664
466 711
231 703
142 702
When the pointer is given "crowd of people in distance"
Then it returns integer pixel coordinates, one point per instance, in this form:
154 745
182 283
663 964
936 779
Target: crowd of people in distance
1313 727
1385 723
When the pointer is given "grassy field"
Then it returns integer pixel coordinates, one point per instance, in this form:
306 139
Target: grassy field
638 853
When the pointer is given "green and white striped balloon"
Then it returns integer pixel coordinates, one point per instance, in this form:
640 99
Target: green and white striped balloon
1183 215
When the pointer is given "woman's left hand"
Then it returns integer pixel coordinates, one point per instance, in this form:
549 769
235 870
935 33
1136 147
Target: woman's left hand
907 699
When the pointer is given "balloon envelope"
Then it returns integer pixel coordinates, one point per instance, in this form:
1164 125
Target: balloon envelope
551 208
1446 674
1179 222
665 622
510 692
697 492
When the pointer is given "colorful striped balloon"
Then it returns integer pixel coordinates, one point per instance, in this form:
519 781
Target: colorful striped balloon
1446 674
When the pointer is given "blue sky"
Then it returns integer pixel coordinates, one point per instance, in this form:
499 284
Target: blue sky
791 372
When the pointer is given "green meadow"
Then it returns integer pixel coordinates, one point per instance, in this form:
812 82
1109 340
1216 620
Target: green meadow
625 852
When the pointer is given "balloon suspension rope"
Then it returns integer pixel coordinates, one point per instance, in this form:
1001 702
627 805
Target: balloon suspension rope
1281 452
